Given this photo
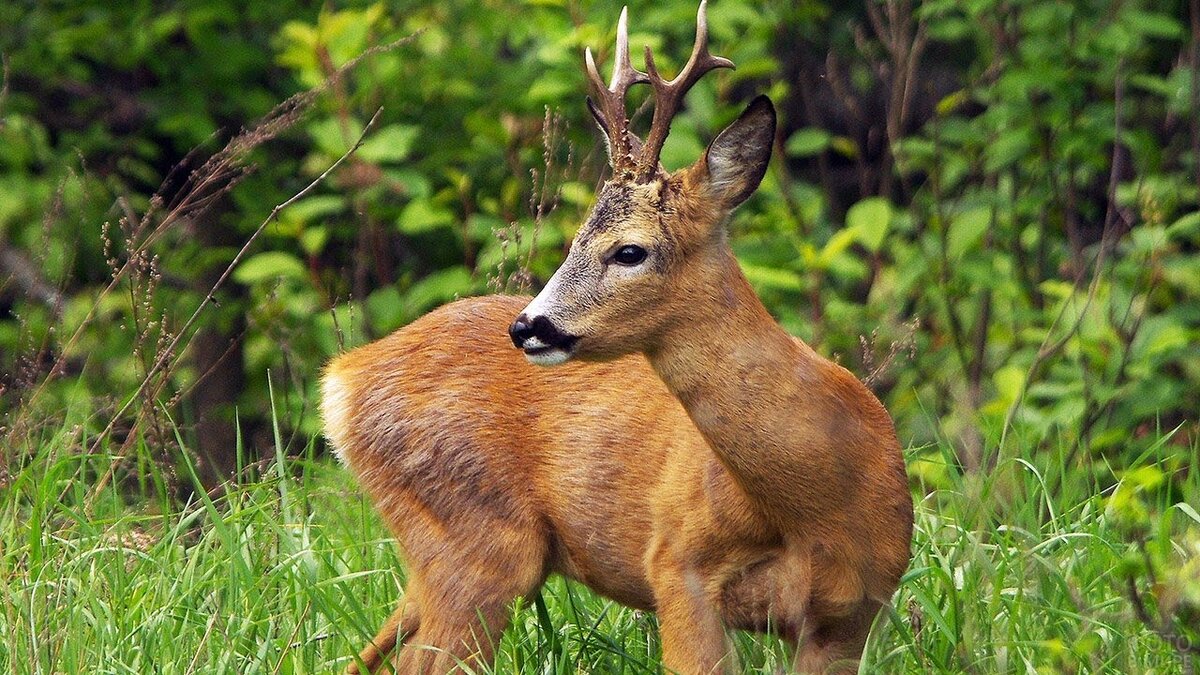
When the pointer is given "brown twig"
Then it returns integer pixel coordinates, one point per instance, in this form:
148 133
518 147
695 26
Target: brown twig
1194 63
905 46
1162 625
162 361
907 343
1108 238
3 83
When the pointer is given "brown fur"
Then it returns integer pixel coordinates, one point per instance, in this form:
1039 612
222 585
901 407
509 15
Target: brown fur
693 459
492 473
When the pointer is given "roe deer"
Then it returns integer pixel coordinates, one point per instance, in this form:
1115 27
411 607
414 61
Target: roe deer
688 457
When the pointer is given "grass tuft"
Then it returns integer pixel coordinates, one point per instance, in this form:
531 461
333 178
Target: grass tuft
291 572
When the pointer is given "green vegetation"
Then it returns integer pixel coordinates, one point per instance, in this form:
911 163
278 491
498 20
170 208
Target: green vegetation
988 209
292 572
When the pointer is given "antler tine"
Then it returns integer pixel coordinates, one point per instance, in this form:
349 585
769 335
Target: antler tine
669 95
612 98
624 74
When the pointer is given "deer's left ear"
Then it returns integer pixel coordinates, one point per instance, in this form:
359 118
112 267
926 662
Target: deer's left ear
736 160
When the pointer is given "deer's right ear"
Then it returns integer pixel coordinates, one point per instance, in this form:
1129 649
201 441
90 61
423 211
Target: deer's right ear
603 127
737 159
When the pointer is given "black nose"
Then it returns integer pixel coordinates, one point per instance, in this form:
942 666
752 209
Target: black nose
541 328
520 331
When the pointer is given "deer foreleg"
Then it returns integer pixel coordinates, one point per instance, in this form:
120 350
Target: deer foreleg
693 636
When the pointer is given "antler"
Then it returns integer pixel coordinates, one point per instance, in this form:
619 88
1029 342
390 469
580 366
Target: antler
668 95
611 113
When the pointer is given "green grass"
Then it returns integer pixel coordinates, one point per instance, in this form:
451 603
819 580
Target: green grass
292 572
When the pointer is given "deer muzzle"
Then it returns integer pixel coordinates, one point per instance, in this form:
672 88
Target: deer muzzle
542 341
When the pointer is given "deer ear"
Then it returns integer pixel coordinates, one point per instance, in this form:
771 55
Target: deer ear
603 127
736 160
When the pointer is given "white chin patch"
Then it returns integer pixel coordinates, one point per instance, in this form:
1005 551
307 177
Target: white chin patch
548 357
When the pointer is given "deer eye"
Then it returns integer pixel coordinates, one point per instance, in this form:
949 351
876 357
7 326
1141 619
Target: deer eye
629 255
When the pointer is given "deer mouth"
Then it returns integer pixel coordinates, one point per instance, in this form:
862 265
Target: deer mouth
548 356
541 341
540 353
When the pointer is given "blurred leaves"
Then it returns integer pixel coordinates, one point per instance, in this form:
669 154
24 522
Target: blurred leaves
1035 205
1016 178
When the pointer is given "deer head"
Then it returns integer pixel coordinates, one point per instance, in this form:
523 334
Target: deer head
654 244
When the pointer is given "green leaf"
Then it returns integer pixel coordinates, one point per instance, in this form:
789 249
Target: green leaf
952 102
313 239
808 142
967 230
1154 84
1186 226
392 143
415 184
438 288
1144 477
681 148
836 245
1009 381
1008 148
809 254
550 88
773 277
332 137
869 219
1165 337
1154 24
421 216
312 208
385 307
269 265
845 146
574 192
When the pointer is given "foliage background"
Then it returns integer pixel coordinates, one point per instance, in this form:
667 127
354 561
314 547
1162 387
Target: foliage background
988 209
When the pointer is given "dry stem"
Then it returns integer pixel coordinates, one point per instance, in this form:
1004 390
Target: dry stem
163 361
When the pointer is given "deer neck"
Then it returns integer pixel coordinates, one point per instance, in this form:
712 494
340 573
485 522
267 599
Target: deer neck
750 388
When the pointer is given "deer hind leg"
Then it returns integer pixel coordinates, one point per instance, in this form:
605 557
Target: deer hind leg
454 639
464 605
471 540
435 632
402 623
466 566
835 644
463 575
694 641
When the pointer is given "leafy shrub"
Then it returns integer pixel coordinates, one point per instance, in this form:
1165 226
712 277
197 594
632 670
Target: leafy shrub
987 209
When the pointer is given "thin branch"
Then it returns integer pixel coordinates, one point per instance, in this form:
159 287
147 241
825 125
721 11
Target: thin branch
198 189
3 82
1048 349
1118 157
1108 238
161 362
1194 63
